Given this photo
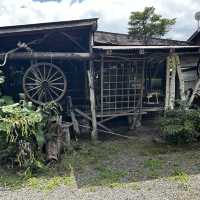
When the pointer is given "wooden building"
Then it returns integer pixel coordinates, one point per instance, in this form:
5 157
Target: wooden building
106 75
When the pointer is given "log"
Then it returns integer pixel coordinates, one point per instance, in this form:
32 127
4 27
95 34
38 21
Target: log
48 55
92 105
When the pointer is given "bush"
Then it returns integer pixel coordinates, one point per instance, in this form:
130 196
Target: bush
181 126
19 132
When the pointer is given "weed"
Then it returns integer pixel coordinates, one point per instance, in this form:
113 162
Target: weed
180 176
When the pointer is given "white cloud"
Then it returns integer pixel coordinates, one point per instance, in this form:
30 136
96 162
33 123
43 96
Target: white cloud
113 14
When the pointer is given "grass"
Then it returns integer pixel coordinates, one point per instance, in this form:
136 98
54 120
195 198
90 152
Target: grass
107 176
98 164
9 178
153 166
180 175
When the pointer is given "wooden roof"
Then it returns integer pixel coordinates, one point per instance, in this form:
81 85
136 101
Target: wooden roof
107 38
20 29
194 36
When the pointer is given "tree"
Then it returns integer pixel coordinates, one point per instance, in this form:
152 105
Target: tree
146 24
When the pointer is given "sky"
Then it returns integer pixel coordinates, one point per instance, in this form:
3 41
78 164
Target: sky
113 14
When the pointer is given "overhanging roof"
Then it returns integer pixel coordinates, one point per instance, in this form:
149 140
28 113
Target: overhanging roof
49 26
143 47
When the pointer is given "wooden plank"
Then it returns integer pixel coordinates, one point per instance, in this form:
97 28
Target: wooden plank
105 129
197 87
73 117
89 118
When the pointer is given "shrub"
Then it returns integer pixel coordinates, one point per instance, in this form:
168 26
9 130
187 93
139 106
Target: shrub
181 125
19 131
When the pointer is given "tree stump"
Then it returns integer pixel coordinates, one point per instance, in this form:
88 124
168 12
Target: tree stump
57 139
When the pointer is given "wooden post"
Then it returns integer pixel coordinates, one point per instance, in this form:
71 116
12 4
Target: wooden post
66 135
172 89
167 84
91 86
102 85
181 79
92 105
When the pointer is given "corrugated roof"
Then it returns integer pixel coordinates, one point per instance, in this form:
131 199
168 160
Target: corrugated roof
142 47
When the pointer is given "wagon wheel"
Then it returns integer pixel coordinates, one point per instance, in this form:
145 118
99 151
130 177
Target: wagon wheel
198 68
44 82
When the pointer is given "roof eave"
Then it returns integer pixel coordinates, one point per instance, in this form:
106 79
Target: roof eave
49 26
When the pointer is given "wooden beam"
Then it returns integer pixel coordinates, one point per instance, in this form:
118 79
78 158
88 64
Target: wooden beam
89 118
48 55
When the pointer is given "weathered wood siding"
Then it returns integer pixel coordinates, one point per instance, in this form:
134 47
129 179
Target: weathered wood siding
189 69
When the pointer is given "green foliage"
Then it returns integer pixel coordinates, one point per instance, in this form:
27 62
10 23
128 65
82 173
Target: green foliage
147 24
181 125
51 109
19 124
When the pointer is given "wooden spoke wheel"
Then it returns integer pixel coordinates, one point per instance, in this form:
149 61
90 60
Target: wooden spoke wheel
198 68
44 82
